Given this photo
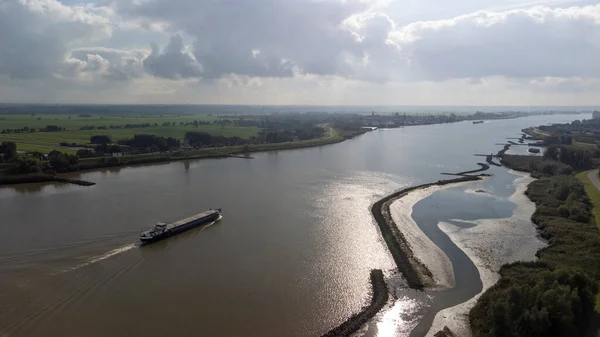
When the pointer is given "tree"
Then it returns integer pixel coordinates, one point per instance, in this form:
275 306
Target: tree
8 150
62 162
51 128
28 165
551 152
99 139
173 142
85 153
199 138
151 142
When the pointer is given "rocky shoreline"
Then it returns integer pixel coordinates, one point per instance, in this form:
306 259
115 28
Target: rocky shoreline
378 300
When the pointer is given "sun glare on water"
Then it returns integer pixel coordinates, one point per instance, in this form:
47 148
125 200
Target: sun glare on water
393 322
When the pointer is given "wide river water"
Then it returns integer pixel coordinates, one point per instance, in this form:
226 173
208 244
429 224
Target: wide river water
291 256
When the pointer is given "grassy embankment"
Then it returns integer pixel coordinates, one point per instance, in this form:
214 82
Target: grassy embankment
45 142
594 195
553 296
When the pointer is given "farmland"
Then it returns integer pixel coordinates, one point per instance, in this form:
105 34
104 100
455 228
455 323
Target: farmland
47 141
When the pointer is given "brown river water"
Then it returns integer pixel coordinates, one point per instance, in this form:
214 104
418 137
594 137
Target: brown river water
290 257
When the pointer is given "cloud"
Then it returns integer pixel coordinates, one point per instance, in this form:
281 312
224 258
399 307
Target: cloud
173 63
36 35
524 43
307 35
271 38
268 48
108 63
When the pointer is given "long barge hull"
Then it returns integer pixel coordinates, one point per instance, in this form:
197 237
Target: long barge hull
183 225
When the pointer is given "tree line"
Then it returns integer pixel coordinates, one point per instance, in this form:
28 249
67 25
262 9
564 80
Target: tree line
48 128
555 295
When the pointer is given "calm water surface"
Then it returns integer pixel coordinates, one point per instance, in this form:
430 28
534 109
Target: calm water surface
290 257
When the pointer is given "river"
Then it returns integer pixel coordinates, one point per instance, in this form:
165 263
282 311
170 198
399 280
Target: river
291 256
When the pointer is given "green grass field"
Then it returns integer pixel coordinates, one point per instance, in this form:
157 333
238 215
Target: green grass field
47 141
535 132
73 122
594 195
586 146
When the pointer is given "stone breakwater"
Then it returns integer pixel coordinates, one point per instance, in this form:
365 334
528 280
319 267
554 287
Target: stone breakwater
378 300
417 275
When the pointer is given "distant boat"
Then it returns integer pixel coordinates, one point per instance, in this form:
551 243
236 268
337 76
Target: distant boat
477 122
534 150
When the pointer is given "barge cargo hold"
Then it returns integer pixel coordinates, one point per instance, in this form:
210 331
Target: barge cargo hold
163 230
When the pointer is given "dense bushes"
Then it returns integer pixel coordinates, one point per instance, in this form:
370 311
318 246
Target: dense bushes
554 296
8 151
576 157
151 142
62 162
538 166
100 139
533 299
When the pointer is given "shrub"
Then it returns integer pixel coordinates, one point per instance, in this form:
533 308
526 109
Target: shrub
567 170
100 139
563 211
579 213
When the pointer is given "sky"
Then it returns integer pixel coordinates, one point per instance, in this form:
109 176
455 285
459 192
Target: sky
301 52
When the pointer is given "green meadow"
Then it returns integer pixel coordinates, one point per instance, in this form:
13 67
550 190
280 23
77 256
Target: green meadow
47 141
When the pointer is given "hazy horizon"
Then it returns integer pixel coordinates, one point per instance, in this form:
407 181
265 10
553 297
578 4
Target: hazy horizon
48 108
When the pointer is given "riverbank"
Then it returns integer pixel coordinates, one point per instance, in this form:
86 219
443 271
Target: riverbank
594 194
40 178
90 164
378 299
517 244
554 295
417 275
439 273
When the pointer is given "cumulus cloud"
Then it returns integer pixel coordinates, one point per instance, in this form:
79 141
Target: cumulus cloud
249 44
173 63
109 63
524 43
271 38
295 33
36 35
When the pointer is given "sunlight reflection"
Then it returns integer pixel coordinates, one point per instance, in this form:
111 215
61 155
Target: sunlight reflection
394 322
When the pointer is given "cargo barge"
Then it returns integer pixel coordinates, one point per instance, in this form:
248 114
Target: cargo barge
163 230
